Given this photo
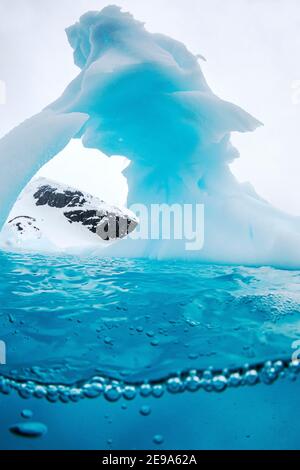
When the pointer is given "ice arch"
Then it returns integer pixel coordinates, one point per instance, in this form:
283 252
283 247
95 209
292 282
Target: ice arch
144 96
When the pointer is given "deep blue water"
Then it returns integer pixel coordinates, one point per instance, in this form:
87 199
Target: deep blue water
214 343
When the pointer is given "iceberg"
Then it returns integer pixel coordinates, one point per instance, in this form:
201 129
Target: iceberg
144 96
25 149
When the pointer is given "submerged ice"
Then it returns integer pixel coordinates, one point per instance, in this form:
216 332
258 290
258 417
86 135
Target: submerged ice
144 96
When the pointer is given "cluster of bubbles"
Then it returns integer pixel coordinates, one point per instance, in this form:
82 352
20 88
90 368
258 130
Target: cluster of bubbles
209 380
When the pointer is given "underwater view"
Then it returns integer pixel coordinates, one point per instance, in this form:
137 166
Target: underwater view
149 276
138 354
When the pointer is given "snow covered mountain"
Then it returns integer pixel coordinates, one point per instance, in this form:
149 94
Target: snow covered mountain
50 216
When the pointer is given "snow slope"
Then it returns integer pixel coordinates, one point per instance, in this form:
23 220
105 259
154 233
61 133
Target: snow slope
49 216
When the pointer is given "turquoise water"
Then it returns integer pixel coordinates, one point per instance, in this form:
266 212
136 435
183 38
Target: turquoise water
109 352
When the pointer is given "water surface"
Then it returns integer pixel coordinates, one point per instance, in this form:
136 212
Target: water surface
65 319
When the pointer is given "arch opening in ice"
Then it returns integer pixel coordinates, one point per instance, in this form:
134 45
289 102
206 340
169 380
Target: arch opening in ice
144 96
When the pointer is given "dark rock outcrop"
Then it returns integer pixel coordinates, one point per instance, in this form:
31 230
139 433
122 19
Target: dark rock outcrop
22 222
53 197
109 222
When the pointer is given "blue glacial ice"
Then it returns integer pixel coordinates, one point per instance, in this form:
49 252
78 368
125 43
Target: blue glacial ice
144 96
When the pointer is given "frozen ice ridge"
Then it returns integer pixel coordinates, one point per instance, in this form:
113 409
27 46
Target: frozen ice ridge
144 96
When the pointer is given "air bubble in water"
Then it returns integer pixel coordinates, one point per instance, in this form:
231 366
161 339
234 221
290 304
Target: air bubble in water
251 377
145 410
219 383
145 390
157 390
129 392
29 429
27 414
112 393
174 385
92 390
192 383
158 439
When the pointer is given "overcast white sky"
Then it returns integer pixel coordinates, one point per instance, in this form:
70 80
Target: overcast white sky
252 49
